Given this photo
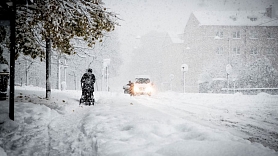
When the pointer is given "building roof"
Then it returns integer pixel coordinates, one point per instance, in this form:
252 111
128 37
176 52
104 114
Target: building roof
142 76
175 38
236 18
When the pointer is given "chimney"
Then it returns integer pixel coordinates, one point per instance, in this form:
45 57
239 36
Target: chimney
269 12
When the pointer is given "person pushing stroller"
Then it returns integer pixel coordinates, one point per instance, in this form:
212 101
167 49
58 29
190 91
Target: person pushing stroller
87 84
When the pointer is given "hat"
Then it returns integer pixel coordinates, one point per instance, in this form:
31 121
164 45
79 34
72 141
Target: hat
90 70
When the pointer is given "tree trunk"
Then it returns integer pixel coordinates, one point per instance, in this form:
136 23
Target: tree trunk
65 71
48 68
75 82
26 73
58 73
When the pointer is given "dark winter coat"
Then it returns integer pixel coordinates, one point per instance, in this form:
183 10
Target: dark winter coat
131 86
87 81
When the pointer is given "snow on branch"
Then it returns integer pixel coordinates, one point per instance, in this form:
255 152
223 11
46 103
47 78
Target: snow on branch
61 21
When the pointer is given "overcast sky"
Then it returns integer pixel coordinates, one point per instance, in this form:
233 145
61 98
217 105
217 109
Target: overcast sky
142 16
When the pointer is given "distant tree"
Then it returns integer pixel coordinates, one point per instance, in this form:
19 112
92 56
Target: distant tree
2 45
2 59
55 23
2 33
148 59
259 73
87 57
109 48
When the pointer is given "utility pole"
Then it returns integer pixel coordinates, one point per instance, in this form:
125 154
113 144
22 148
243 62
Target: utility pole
48 68
12 59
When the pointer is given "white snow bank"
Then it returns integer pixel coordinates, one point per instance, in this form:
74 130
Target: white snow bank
161 125
4 67
2 152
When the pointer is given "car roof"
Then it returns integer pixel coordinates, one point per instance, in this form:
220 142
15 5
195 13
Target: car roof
142 76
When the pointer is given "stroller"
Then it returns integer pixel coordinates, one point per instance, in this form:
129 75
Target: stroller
87 96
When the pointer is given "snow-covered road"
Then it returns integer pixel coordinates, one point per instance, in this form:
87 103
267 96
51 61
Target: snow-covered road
161 125
251 117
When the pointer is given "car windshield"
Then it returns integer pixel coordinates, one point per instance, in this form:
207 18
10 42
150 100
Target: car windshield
142 80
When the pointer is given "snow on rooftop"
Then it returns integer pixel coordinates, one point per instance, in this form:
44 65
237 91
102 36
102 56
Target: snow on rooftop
142 76
235 18
175 38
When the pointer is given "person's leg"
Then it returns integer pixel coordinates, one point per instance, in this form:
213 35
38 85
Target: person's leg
83 91
131 91
93 98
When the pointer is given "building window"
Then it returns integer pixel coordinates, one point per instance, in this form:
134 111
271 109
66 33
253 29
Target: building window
252 18
236 50
233 18
270 35
253 34
219 51
219 34
254 51
236 34
270 51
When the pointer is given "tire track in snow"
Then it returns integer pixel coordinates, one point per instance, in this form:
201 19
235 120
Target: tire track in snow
248 129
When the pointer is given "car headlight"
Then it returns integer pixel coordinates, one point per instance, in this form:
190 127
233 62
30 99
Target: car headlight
136 89
149 89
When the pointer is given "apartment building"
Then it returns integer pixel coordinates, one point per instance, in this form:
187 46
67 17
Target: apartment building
214 39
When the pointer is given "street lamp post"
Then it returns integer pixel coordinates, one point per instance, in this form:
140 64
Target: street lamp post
106 63
234 80
65 70
184 68
229 46
229 70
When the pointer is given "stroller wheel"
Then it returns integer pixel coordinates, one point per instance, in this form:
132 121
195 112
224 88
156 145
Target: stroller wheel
91 102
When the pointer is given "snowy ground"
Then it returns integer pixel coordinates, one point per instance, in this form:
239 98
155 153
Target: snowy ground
165 124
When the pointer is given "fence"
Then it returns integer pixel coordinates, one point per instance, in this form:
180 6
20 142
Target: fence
251 91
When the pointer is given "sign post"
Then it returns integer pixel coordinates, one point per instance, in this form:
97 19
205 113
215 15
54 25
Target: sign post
229 70
184 68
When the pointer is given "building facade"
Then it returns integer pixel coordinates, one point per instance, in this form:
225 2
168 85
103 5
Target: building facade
214 39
